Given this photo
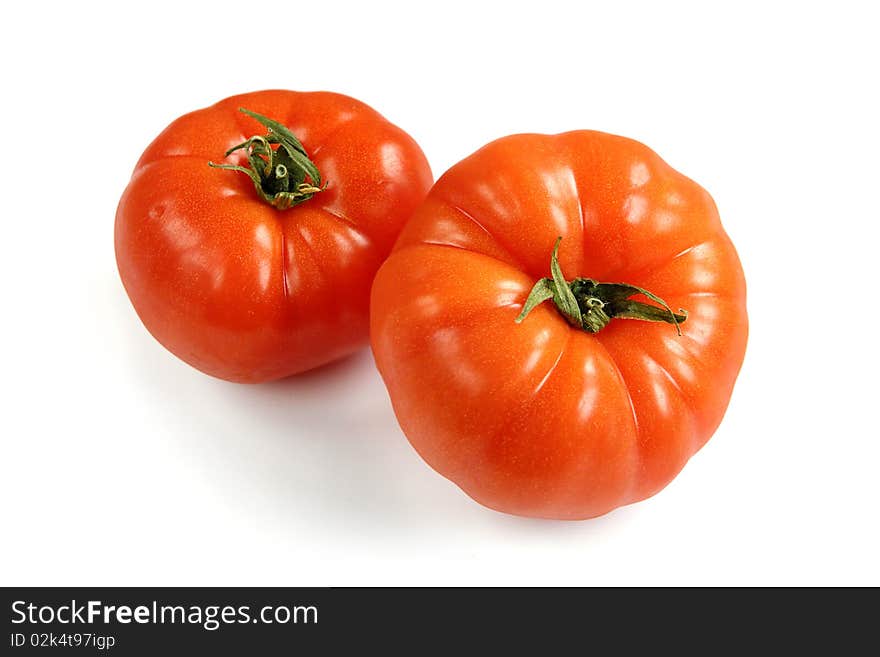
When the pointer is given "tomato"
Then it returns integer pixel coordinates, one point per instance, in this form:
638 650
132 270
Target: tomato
570 406
252 272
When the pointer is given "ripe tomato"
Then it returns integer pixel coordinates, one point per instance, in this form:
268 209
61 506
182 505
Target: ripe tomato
255 275
552 409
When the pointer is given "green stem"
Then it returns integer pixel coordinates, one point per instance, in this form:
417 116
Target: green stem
591 306
283 176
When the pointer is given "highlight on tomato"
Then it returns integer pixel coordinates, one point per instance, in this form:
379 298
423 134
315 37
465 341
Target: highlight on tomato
560 324
250 232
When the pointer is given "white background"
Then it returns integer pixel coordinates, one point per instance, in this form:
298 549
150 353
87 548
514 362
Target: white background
122 466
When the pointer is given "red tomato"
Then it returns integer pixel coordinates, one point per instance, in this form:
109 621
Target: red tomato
567 412
251 291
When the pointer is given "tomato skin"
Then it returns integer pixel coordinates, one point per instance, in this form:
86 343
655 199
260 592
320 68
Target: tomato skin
539 418
239 289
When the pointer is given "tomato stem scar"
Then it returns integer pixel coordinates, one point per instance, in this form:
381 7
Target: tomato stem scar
283 176
590 306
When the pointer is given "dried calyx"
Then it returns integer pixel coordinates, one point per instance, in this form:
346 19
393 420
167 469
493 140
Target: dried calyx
283 176
590 306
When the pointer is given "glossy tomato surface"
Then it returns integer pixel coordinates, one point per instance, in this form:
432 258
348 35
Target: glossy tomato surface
240 289
540 418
